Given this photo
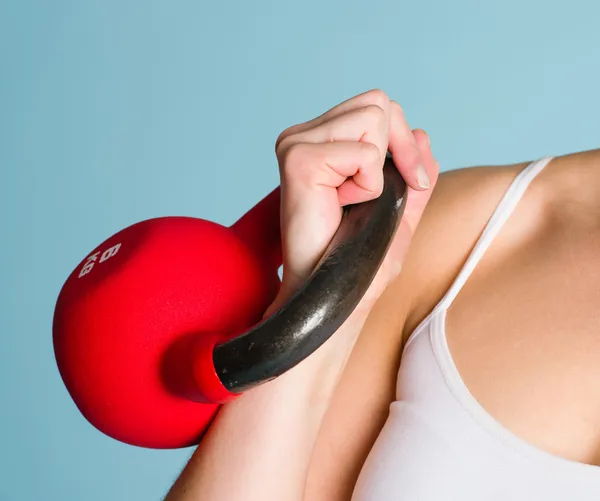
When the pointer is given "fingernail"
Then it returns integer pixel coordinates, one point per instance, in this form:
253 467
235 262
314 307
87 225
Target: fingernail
422 177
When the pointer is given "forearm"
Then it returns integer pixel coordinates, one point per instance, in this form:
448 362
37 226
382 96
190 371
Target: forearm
259 446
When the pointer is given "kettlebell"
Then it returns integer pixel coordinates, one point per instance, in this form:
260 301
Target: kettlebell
162 323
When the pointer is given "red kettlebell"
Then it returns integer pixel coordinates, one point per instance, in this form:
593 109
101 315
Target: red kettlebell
162 322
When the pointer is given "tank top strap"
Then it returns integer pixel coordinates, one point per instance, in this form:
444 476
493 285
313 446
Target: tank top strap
502 212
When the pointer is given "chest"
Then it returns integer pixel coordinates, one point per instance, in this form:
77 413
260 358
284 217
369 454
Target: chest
524 334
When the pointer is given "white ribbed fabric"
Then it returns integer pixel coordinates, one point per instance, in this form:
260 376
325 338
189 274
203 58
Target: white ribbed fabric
439 444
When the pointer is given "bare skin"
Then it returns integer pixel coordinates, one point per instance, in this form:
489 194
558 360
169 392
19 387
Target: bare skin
524 331
261 444
525 327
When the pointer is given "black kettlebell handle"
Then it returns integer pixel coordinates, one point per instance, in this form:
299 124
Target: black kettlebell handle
316 311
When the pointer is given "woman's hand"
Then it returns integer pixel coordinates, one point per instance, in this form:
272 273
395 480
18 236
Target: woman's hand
337 159
260 444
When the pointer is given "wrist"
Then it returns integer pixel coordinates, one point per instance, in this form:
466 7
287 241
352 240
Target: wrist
325 366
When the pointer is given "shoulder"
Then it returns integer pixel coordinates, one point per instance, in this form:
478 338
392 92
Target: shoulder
461 205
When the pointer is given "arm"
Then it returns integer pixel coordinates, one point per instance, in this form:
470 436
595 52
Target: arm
306 435
460 206
259 446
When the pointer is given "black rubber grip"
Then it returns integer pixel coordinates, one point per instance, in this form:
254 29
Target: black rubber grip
317 310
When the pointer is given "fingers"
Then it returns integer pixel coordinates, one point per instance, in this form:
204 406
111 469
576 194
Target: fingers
374 97
336 159
424 145
368 123
316 179
405 151
353 168
369 117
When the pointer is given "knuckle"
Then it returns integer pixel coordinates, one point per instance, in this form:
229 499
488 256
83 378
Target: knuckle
282 145
370 152
412 158
371 162
279 140
373 113
283 137
378 98
293 156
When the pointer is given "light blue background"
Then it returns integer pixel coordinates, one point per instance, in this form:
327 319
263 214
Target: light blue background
112 112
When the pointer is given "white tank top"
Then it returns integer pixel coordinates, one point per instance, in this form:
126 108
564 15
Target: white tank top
439 443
